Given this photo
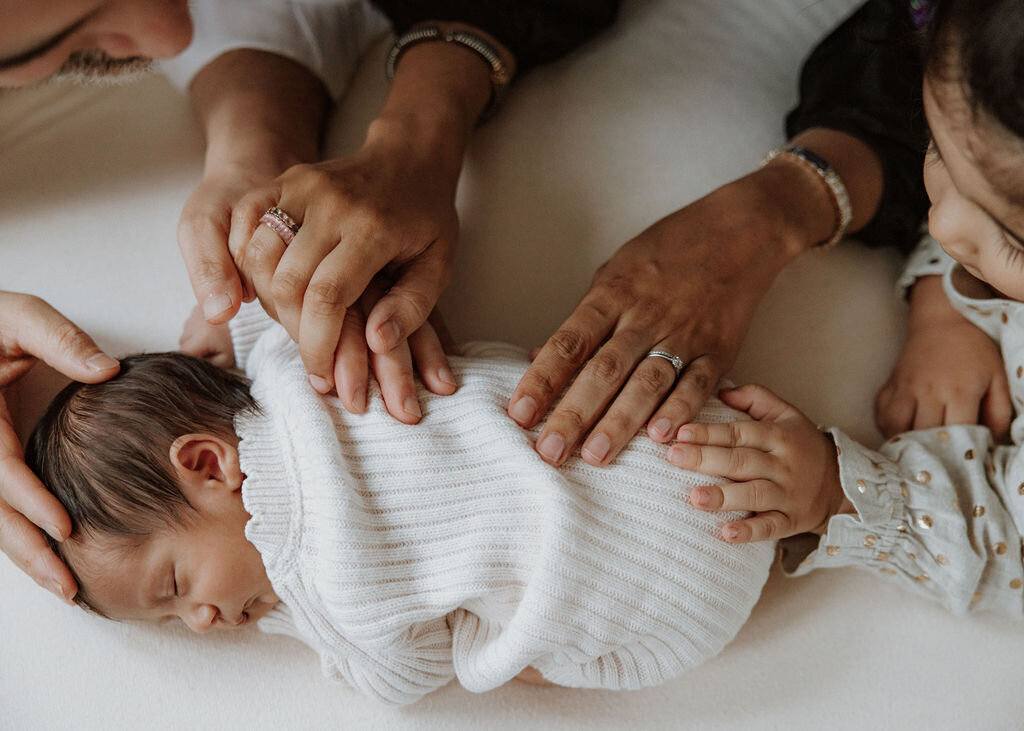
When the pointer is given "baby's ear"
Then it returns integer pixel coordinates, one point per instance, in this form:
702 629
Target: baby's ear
206 461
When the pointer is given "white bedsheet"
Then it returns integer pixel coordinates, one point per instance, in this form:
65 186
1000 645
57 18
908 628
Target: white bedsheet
676 99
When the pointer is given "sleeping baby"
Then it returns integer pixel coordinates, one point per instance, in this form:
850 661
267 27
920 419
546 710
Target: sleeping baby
405 556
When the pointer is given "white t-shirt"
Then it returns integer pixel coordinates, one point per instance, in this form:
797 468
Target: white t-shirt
325 36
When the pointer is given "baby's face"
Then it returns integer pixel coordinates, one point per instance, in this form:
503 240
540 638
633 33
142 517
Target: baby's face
206 573
972 173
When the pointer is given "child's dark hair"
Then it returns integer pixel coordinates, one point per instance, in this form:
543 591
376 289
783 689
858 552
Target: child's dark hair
981 43
102 449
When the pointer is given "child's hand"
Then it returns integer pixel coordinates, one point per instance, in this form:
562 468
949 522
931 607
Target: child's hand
206 341
786 471
950 372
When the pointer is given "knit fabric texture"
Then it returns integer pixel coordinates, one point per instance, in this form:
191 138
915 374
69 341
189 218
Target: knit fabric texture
410 555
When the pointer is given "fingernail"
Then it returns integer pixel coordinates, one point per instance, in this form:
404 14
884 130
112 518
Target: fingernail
699 497
101 362
660 427
684 434
412 407
54 533
216 304
320 384
388 333
445 376
676 455
359 400
730 532
597 447
523 410
551 447
57 588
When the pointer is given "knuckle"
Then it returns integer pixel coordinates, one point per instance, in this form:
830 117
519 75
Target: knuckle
570 419
324 296
758 496
608 367
654 379
287 287
735 433
570 345
414 302
69 339
206 271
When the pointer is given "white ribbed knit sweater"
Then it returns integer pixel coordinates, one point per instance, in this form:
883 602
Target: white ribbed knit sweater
409 555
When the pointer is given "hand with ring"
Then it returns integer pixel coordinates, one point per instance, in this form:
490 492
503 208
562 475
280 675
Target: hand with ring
661 324
328 232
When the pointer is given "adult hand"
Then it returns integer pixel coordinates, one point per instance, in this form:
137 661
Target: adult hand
31 329
378 211
203 230
389 210
423 352
688 285
949 372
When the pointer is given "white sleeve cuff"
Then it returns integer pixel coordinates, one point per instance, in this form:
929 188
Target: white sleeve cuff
927 260
325 36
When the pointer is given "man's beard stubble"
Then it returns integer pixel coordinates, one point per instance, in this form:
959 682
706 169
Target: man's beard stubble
97 68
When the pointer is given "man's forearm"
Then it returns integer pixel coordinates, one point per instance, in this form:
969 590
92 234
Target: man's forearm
259 108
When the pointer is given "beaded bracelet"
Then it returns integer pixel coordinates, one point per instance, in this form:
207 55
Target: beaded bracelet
500 76
840 197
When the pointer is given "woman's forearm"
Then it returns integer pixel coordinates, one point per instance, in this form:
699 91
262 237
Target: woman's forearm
436 98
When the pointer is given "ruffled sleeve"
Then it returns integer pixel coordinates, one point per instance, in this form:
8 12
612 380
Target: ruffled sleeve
929 517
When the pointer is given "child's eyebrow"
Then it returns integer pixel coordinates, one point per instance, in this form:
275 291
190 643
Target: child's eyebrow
43 48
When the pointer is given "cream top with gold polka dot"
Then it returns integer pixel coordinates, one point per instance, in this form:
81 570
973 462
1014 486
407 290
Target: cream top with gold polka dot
940 511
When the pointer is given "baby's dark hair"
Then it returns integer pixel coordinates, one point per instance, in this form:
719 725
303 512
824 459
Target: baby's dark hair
103 449
981 43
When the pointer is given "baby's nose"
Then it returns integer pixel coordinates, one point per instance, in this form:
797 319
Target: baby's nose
201 618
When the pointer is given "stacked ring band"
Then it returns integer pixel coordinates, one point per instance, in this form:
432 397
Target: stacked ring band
280 223
677 362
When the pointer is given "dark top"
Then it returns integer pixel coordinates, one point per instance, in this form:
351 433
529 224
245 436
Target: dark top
535 31
865 79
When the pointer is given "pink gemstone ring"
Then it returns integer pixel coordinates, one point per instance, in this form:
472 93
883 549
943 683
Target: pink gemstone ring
280 223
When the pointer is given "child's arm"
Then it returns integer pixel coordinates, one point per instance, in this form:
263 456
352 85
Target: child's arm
949 372
785 469
933 510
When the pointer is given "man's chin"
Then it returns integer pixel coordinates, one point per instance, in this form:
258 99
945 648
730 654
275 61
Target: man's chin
101 70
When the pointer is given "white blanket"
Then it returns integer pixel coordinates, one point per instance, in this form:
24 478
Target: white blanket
677 98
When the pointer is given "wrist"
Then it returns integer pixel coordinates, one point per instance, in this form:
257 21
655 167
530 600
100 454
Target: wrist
929 305
433 139
779 200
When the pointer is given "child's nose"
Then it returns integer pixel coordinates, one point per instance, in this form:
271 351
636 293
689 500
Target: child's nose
201 618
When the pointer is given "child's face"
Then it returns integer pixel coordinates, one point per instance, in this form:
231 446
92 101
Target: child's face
971 174
205 573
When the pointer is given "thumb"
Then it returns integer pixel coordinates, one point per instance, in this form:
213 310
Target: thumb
211 270
406 306
45 333
759 402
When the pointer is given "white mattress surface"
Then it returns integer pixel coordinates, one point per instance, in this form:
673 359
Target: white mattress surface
676 99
